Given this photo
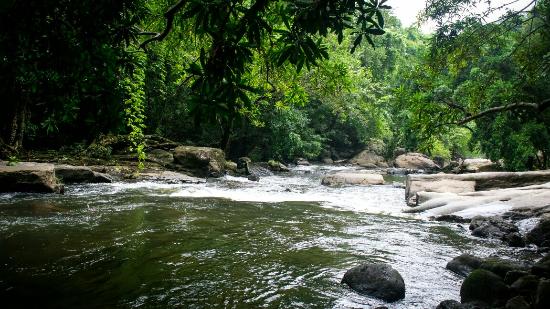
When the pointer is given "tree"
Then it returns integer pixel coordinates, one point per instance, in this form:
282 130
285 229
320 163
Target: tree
238 32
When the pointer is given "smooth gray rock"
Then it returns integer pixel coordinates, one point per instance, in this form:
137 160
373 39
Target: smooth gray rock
376 280
202 161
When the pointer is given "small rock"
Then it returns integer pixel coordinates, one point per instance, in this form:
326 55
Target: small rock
253 177
464 264
540 234
328 161
517 302
376 280
491 227
484 286
542 267
302 161
514 239
449 304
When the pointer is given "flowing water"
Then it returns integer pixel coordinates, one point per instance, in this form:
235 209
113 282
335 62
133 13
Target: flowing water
283 242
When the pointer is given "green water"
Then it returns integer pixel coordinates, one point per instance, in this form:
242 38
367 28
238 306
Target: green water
146 248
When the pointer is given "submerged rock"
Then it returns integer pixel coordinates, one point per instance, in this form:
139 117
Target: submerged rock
350 178
464 264
376 280
202 161
29 177
80 174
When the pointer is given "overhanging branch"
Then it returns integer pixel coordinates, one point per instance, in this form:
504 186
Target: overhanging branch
521 105
169 15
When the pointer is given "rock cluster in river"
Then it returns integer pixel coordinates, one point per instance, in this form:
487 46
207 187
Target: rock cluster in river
376 280
499 283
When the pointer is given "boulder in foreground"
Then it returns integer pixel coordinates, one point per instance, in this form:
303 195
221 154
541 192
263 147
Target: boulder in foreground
377 280
348 178
29 177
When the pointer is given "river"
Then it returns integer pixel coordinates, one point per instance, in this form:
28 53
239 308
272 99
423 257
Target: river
283 242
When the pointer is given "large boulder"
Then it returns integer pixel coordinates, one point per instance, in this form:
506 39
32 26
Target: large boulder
416 161
369 159
483 286
376 280
202 161
80 174
349 178
464 264
501 267
29 177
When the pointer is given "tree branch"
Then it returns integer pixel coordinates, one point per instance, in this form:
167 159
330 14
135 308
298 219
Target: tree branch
521 105
169 15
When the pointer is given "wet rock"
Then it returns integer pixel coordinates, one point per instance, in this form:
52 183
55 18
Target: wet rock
517 302
160 156
464 264
231 166
349 178
540 235
449 304
514 239
302 161
542 300
80 174
29 177
491 227
202 161
369 159
277 166
376 280
514 275
485 287
243 165
327 161
526 286
415 161
253 177
542 267
500 266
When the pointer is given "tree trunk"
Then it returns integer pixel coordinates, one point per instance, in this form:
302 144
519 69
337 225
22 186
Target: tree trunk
227 129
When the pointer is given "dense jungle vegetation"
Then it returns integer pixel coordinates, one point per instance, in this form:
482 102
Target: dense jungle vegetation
280 79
